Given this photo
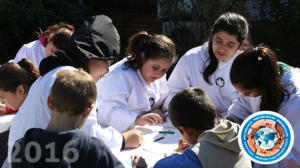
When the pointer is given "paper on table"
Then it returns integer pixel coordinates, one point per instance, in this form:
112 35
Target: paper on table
154 151
162 148
124 158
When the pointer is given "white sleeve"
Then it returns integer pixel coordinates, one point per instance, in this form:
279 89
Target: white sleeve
239 110
178 81
111 137
113 109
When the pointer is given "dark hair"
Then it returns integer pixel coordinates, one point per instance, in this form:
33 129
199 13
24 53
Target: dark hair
60 38
130 43
233 24
156 46
72 92
14 74
192 108
52 29
257 68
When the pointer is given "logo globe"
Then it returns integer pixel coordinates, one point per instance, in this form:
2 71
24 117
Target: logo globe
266 137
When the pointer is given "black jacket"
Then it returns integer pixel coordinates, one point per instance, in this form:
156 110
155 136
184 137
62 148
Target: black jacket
96 38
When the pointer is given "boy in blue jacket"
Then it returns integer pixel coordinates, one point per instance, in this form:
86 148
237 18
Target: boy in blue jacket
62 144
193 114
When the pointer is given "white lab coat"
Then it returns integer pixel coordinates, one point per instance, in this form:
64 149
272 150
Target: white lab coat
189 73
34 51
124 94
34 113
245 106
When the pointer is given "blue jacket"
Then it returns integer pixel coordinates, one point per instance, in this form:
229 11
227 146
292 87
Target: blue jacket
187 159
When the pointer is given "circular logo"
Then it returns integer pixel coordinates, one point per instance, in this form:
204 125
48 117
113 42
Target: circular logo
267 137
220 82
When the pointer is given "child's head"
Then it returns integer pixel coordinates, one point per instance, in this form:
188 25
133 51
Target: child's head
15 82
58 41
94 45
54 28
192 112
151 54
254 73
228 34
73 93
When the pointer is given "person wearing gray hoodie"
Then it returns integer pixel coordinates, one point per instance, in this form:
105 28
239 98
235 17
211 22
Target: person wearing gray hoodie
193 114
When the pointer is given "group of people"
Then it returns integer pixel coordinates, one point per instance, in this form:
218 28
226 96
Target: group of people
72 85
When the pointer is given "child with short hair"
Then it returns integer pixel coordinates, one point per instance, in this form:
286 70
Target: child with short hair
54 38
193 114
62 144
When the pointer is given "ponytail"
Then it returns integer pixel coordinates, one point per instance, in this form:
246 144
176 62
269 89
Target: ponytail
14 74
135 48
257 69
144 46
32 73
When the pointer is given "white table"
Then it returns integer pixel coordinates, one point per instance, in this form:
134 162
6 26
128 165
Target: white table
153 151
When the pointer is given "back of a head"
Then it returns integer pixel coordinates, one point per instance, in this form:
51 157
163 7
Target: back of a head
96 38
192 108
73 91
14 74
256 68
258 63
61 38
54 28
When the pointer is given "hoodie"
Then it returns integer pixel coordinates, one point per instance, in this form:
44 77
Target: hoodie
96 38
219 147
47 149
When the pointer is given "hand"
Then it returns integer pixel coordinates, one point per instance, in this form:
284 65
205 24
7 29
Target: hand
133 138
182 145
148 119
134 160
160 112
138 161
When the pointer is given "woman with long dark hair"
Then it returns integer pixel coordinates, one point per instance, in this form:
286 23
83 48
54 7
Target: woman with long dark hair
265 84
207 66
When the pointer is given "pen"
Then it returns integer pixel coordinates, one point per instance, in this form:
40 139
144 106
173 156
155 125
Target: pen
166 132
158 139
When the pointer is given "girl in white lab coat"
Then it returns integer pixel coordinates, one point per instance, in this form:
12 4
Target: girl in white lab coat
266 85
208 66
136 87
53 39
91 54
